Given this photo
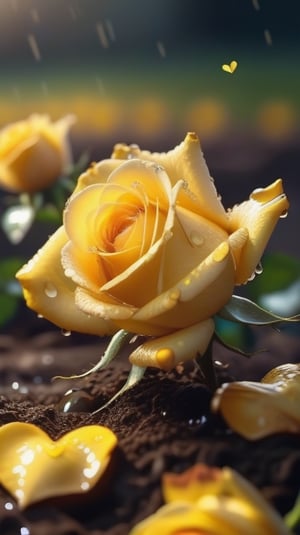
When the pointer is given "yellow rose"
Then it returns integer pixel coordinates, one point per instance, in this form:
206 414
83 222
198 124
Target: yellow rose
33 153
211 501
147 246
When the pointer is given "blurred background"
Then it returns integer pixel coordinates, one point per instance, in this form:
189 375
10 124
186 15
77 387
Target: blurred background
148 72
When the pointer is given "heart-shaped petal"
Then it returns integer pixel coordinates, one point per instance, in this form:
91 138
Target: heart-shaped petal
34 467
231 67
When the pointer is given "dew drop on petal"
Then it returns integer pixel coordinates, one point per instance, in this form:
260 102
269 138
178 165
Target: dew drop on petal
65 332
284 214
50 290
258 269
196 239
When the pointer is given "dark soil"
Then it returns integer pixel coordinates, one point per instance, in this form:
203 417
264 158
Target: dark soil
162 424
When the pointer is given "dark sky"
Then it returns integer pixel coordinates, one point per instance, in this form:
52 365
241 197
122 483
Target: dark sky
69 28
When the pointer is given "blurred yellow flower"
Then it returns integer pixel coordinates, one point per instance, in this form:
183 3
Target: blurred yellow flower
256 410
34 152
147 246
211 501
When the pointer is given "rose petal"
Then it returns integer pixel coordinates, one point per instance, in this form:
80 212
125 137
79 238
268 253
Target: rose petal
27 146
33 467
196 297
97 173
50 293
168 351
256 410
259 216
185 162
145 272
102 305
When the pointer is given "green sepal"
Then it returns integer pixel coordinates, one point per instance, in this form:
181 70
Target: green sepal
135 375
242 310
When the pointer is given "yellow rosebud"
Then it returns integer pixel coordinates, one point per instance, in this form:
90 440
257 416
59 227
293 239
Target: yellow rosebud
33 153
256 410
211 501
33 467
147 246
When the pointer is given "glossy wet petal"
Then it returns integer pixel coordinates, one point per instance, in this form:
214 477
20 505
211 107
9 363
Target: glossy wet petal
185 162
259 216
258 409
51 294
34 467
167 351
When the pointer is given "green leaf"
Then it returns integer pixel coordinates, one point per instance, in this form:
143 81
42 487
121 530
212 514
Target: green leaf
292 518
242 310
8 308
279 272
9 267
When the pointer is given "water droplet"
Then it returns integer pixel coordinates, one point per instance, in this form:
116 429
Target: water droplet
15 385
196 239
50 290
284 214
8 506
258 269
76 400
69 272
65 332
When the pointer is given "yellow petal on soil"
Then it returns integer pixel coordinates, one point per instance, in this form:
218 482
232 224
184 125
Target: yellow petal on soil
186 162
224 504
51 294
33 467
259 216
168 351
210 516
256 410
194 482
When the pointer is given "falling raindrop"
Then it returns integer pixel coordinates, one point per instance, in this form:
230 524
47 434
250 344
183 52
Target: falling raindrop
161 49
34 47
268 37
102 35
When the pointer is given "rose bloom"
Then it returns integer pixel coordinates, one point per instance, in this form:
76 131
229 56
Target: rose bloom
33 153
211 501
147 246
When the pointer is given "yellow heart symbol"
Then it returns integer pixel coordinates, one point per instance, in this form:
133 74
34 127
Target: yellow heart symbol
33 467
231 67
